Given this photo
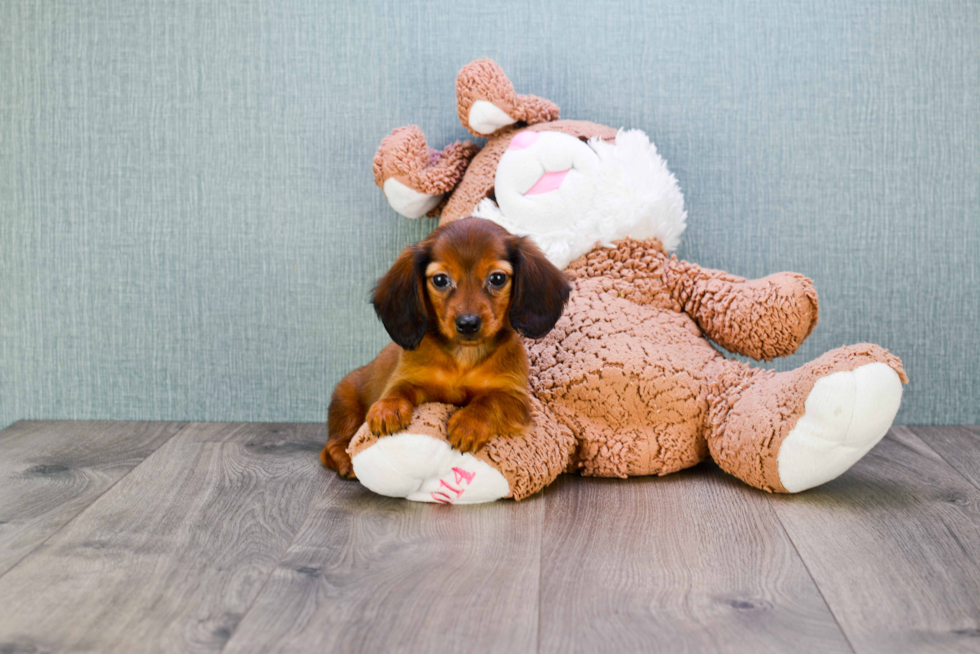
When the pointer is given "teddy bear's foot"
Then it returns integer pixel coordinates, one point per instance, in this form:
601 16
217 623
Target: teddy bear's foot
419 464
421 468
789 431
846 414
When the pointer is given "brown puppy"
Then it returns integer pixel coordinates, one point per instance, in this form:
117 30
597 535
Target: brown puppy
454 305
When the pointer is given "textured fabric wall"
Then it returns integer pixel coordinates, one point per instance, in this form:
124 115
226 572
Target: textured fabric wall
189 227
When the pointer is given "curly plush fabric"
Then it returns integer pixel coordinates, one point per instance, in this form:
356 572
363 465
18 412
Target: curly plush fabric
753 412
484 80
624 369
405 156
532 460
429 419
629 369
763 319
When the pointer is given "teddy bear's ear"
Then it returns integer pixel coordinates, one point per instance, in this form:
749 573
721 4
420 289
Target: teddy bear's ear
486 101
414 177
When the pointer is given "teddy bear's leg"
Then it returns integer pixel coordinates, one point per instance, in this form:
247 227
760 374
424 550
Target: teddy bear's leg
532 460
418 463
486 101
787 432
415 178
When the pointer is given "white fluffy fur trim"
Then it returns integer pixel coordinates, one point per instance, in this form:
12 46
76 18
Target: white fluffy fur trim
630 193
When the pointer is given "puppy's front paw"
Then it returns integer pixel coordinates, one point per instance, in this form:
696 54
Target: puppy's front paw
389 415
468 432
334 455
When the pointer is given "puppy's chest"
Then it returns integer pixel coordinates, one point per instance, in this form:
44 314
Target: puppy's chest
456 389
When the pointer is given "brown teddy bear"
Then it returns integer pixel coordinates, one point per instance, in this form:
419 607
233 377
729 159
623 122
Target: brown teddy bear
628 383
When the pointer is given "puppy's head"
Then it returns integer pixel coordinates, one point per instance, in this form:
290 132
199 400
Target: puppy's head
466 282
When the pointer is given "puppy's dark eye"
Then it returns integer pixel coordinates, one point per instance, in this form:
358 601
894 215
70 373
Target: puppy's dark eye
440 281
497 279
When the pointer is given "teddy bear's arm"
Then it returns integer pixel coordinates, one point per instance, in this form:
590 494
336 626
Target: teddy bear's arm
760 318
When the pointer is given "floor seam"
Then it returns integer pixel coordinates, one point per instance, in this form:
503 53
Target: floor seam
942 458
544 520
816 585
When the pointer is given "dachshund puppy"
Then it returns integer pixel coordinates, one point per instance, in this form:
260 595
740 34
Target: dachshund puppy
454 305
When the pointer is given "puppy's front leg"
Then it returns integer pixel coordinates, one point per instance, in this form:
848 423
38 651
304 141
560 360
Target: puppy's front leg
487 415
394 410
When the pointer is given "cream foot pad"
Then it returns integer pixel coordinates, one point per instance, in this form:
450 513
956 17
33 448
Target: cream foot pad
845 415
425 469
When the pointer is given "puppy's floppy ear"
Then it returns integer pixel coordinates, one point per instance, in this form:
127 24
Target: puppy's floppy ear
399 301
539 291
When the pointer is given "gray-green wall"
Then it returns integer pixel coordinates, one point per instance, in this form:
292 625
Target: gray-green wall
189 227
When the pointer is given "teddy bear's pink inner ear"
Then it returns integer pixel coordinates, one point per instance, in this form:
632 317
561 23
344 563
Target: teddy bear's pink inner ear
485 117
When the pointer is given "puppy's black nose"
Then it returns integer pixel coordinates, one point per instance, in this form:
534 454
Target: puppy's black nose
468 324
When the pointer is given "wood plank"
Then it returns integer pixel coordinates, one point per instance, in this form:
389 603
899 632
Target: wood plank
374 574
694 561
894 546
50 471
173 555
959 446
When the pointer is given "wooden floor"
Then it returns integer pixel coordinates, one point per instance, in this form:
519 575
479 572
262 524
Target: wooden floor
132 537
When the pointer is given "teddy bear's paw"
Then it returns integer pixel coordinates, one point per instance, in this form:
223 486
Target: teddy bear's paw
845 415
421 468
